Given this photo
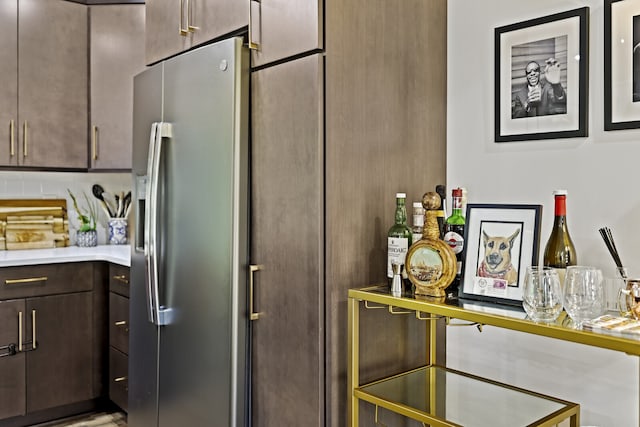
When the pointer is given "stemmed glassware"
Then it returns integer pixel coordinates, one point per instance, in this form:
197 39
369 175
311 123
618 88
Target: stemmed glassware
542 294
583 294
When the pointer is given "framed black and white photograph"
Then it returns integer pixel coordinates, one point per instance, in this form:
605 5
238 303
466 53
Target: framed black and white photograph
541 78
501 241
622 64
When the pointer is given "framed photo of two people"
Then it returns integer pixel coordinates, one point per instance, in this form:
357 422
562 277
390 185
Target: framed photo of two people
541 78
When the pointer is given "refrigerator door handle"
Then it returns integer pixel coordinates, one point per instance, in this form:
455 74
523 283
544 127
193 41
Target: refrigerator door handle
149 258
158 314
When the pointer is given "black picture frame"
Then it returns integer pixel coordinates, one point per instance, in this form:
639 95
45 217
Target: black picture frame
559 45
621 64
500 241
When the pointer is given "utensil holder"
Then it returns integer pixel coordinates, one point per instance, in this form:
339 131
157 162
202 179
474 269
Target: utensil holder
117 231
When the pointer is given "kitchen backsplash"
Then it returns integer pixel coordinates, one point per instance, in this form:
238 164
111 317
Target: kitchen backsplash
54 185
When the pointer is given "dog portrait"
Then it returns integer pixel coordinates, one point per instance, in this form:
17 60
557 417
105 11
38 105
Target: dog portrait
497 260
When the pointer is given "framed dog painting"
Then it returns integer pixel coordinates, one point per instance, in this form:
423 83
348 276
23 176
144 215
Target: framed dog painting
500 242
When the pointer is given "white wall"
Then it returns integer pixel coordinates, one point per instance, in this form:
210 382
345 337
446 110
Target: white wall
53 185
601 174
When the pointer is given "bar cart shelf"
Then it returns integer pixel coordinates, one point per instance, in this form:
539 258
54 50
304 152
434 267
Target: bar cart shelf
429 394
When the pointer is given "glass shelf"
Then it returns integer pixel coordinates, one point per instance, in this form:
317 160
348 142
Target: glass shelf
445 397
484 313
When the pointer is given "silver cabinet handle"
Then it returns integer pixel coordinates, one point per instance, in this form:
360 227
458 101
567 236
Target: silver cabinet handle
253 44
19 331
190 28
12 146
94 142
183 31
252 314
33 328
25 139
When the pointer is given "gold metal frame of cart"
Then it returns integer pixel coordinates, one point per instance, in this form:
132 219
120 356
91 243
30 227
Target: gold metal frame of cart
378 297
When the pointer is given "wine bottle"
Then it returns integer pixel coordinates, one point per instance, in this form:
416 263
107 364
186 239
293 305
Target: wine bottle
560 251
454 236
399 240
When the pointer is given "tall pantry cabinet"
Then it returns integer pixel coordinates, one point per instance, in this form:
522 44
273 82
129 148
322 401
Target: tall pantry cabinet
340 123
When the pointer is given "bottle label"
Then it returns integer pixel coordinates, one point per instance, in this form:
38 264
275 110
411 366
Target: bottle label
418 220
416 235
397 248
455 241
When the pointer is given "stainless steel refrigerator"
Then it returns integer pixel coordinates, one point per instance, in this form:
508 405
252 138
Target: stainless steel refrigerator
188 323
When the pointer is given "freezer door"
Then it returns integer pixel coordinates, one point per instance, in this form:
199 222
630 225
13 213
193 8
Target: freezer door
203 242
143 347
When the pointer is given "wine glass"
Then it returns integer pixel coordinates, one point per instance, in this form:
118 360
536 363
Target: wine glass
583 293
542 294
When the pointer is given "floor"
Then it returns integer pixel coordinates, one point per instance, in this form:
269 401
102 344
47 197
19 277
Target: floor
102 419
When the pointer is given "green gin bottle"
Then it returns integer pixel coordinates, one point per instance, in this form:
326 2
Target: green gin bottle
398 241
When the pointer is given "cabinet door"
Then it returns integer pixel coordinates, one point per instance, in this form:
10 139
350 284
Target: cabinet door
12 385
119 322
52 42
287 238
60 370
117 54
162 24
215 18
8 80
286 28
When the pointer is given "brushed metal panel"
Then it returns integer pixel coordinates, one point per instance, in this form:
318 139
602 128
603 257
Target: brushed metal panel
287 237
202 351
143 335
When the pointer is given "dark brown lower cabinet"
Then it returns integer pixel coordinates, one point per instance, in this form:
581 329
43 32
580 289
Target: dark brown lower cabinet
49 316
60 370
119 335
12 367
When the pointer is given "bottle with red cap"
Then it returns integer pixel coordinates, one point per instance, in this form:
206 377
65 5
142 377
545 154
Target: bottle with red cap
560 252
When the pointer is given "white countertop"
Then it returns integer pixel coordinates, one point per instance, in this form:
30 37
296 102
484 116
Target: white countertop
117 254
